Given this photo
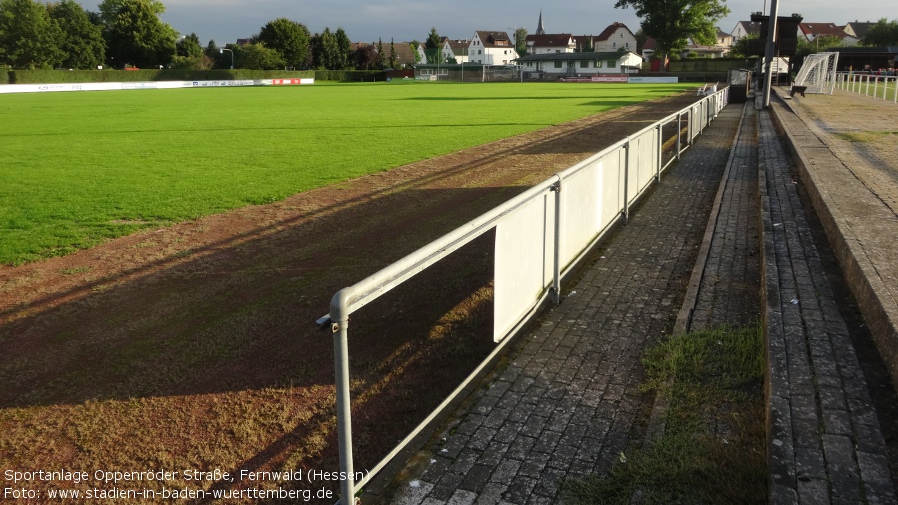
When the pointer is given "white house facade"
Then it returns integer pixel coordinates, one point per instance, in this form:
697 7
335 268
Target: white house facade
455 49
491 48
550 43
556 65
617 37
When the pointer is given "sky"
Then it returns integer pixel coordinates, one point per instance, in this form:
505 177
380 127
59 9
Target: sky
225 21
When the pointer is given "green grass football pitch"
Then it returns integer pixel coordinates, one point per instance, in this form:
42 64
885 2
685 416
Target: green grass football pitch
78 168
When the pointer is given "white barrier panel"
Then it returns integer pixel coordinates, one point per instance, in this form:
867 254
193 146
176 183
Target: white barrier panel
47 88
523 262
613 190
115 86
581 200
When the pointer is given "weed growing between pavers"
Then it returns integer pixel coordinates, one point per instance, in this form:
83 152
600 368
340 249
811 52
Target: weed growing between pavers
712 449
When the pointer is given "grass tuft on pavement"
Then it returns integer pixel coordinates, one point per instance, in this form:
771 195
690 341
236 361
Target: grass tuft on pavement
713 446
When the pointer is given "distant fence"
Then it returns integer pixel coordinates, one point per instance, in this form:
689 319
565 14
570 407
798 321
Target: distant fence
541 236
876 86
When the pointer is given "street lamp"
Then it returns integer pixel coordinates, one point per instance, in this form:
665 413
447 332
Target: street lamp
223 49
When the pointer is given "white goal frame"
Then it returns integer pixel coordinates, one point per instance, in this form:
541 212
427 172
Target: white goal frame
818 73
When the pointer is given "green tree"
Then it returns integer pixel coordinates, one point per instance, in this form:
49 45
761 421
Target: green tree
520 41
742 47
258 57
366 57
394 60
345 47
81 40
191 55
135 35
672 22
291 39
189 46
379 60
883 33
415 45
432 47
326 51
29 38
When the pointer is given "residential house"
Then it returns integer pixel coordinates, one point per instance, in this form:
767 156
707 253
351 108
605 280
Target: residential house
570 64
811 31
455 49
746 29
719 49
616 37
550 43
857 29
491 48
648 49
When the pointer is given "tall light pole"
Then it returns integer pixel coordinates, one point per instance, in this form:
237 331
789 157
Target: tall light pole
223 49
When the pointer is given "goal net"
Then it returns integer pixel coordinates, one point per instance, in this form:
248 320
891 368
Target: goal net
818 73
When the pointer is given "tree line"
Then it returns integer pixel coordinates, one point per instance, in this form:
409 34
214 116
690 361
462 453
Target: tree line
130 33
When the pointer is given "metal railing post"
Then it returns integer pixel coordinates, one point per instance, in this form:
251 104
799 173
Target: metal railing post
679 133
660 153
626 210
556 267
340 327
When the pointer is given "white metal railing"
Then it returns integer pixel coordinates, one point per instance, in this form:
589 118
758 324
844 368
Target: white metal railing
541 235
876 86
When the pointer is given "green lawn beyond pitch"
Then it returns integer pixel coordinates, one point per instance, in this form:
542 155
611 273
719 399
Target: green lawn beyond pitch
77 168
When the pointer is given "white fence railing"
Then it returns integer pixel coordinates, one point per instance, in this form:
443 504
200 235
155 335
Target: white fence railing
540 236
876 86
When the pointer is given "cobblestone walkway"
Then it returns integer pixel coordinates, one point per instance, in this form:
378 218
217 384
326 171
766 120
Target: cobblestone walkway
568 403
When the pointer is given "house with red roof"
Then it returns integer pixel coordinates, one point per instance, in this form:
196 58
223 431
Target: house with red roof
492 48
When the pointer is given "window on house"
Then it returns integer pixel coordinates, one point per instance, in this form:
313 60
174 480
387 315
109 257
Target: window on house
614 44
584 64
612 63
558 64
598 64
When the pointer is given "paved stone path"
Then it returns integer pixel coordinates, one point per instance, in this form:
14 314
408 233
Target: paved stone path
724 239
826 444
569 402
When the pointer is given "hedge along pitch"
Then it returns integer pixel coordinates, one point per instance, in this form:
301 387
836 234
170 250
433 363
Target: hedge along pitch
76 76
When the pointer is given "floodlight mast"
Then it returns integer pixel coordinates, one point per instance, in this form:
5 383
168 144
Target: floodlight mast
223 49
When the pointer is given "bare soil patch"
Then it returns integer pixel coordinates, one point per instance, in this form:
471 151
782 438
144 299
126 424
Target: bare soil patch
193 346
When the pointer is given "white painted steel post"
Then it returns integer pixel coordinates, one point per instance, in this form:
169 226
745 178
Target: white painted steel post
340 327
679 133
660 148
556 267
627 181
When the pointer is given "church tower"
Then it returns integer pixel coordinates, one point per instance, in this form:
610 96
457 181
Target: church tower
539 29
